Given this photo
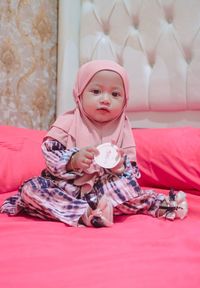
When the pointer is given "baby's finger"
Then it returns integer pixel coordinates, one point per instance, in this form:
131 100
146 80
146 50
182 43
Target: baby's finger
113 142
93 151
119 164
120 170
89 156
121 152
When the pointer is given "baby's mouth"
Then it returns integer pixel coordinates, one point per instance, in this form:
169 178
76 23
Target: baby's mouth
103 109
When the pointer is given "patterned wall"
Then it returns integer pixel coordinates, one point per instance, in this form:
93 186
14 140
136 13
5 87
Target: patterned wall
28 59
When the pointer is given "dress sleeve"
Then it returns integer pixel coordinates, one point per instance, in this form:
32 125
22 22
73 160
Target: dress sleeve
131 168
56 158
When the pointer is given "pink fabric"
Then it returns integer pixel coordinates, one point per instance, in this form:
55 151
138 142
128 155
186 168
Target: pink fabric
20 154
169 157
137 251
74 128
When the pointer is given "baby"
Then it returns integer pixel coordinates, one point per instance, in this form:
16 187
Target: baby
74 188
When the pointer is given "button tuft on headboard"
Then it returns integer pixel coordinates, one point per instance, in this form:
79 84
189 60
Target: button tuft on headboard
169 13
151 55
135 21
106 27
188 54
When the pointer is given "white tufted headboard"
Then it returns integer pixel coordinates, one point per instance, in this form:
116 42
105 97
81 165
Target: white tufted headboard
157 41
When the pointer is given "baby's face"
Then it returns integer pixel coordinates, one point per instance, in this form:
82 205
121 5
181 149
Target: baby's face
103 99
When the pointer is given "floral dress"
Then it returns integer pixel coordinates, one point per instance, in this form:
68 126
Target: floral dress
54 196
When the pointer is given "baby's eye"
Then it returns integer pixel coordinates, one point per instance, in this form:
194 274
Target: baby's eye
96 91
116 94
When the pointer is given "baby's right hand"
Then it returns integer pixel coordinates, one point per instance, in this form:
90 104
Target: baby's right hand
84 158
119 168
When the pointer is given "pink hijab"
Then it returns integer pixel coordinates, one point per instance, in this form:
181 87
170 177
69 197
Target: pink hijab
75 129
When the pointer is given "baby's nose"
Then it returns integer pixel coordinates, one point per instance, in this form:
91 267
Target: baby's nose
105 98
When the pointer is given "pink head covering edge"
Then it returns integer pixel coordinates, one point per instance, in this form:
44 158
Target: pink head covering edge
74 129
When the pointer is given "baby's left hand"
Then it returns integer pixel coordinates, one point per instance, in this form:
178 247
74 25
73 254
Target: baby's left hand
119 168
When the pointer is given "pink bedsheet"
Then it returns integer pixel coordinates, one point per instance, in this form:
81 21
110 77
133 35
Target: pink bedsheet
138 251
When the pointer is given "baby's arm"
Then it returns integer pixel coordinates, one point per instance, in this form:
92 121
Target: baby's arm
126 166
57 157
82 159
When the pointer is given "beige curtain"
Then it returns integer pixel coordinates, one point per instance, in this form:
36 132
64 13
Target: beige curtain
28 62
68 52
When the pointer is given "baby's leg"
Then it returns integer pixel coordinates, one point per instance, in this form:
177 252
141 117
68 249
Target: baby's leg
157 205
99 215
41 198
146 202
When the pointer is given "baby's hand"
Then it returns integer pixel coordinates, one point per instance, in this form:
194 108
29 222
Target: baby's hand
84 158
119 168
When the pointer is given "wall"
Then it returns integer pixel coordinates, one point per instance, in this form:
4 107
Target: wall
28 60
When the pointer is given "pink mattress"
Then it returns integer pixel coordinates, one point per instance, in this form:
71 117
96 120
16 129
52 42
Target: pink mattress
137 251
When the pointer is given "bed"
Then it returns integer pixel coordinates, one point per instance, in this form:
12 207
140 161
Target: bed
137 251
